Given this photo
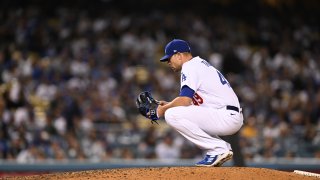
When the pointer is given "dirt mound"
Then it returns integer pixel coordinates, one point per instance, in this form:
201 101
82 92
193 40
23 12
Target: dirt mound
174 173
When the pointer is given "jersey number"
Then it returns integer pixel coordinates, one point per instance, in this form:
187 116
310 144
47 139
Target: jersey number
223 80
197 100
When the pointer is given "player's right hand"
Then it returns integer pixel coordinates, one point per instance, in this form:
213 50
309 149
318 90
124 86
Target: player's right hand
162 103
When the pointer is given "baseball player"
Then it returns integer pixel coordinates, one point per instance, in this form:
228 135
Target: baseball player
207 106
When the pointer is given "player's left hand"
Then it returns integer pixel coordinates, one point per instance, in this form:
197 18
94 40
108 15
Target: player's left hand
147 106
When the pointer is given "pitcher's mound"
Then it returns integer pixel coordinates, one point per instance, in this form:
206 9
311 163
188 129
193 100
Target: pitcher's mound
199 173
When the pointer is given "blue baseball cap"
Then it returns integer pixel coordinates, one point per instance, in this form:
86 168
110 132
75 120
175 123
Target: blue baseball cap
175 46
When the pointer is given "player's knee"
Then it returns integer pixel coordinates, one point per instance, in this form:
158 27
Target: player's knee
168 114
171 116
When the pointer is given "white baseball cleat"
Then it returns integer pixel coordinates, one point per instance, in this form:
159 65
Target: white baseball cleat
215 160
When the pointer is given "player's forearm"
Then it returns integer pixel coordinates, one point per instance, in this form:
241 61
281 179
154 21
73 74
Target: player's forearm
179 101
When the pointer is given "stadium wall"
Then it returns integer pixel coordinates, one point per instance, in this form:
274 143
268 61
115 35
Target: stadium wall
14 168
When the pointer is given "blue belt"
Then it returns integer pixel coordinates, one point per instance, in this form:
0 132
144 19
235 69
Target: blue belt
232 108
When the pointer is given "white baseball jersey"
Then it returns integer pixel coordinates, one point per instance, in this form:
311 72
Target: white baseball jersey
210 87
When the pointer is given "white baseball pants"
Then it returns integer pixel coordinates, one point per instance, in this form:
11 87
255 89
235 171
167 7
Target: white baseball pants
204 125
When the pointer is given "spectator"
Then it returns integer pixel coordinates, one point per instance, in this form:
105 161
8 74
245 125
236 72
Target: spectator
168 149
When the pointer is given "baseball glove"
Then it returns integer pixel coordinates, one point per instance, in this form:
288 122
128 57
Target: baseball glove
147 106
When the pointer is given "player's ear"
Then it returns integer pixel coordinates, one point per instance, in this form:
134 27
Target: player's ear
180 56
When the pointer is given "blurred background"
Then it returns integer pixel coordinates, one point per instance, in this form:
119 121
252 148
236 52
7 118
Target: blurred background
70 72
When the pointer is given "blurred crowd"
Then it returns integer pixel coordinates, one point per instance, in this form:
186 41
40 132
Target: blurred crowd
69 80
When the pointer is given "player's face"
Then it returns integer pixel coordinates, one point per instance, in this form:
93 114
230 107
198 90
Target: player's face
175 62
